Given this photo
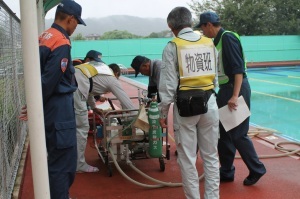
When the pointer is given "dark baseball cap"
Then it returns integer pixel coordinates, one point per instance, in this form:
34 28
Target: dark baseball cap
137 62
208 17
95 55
70 7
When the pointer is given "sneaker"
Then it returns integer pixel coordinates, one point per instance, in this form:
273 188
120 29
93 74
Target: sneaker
252 179
89 169
224 179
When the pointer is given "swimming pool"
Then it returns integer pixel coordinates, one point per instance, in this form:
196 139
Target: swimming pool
275 100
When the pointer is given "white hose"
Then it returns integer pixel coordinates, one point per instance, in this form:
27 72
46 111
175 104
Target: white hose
169 184
267 131
128 178
160 183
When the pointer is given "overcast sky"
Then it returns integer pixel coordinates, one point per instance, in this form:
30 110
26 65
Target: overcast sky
103 8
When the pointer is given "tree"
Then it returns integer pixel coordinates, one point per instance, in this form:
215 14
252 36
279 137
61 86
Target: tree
254 17
162 34
287 19
79 36
118 34
247 17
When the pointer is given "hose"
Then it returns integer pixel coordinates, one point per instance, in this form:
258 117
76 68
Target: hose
266 131
160 183
169 184
130 179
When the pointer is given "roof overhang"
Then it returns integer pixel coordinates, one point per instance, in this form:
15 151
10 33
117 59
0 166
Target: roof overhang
49 4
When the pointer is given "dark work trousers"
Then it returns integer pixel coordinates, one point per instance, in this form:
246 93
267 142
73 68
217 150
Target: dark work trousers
61 145
236 138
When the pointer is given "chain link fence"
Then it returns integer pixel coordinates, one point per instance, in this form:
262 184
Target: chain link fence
12 97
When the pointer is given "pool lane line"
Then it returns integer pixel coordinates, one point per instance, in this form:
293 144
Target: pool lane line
271 70
295 77
276 96
271 82
271 73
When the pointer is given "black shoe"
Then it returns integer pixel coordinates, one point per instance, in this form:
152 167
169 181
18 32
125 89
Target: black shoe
224 179
252 179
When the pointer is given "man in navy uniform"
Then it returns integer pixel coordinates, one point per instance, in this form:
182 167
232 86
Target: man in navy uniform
58 85
233 82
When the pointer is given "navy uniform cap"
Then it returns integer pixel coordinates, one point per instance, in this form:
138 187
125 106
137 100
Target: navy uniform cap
95 55
70 7
136 63
206 17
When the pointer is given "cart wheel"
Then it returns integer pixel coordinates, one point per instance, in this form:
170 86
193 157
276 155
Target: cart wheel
168 153
176 153
109 170
161 164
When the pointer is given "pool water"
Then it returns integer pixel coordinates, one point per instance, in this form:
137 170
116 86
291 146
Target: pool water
275 99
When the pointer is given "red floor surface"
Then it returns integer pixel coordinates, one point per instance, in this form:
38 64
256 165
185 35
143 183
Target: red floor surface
282 180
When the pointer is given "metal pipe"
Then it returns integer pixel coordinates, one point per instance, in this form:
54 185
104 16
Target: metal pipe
33 93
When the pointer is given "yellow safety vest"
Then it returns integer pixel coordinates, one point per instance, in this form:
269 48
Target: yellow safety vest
197 63
90 70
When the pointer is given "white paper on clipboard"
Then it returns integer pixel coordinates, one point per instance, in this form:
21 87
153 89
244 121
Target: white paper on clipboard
231 119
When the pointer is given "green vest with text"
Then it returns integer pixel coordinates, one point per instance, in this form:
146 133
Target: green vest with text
222 77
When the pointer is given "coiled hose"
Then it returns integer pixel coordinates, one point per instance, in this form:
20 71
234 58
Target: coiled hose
266 131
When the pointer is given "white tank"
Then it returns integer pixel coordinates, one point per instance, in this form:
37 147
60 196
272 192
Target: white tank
116 144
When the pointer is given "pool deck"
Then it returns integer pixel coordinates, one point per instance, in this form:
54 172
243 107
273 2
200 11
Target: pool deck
282 179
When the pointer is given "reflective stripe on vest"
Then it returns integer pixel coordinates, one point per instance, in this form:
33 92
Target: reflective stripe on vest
222 77
197 63
90 70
